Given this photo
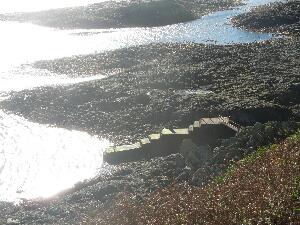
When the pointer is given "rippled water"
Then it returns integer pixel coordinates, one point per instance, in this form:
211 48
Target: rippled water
38 160
26 77
23 43
36 5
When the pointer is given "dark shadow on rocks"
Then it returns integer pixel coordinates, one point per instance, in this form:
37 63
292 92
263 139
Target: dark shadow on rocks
247 141
161 86
247 117
279 17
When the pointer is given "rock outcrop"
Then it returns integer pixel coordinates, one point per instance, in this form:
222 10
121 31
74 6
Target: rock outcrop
117 14
282 18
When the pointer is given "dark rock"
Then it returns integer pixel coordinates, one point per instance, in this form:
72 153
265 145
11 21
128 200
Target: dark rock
185 175
99 192
142 99
194 155
201 176
108 107
123 172
176 160
279 17
138 198
117 14
244 143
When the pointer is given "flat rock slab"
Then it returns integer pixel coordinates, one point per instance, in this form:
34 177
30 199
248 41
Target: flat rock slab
184 131
154 137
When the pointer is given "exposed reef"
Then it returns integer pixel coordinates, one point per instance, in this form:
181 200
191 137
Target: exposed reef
151 87
117 14
87 200
281 17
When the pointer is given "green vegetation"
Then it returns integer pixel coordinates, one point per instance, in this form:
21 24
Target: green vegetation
260 152
263 188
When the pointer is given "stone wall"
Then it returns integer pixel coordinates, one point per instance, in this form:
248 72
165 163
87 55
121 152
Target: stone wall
206 131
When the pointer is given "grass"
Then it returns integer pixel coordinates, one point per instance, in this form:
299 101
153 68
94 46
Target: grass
263 188
247 160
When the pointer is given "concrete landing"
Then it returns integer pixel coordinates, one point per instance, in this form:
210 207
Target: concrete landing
203 131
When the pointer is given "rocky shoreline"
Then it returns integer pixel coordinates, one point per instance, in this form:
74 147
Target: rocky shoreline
118 14
281 18
139 179
151 87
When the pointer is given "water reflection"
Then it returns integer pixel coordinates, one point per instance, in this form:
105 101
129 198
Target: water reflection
25 43
38 160
26 77
36 5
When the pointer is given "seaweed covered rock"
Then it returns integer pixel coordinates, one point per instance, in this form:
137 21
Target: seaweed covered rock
118 14
279 17
154 13
158 86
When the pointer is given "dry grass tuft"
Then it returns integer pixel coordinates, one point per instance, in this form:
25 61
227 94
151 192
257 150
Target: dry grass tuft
264 188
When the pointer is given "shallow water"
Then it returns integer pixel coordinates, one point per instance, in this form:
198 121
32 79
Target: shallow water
23 43
37 5
38 160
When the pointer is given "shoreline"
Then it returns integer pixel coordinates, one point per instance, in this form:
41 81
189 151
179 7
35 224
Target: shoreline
149 90
281 18
91 199
123 14
152 87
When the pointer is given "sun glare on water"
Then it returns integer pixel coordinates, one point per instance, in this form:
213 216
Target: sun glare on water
8 6
39 160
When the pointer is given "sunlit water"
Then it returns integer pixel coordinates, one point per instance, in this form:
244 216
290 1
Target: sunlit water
38 160
8 6
22 43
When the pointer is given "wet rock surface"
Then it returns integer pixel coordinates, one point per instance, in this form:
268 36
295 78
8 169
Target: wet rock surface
151 87
72 206
256 82
87 198
155 86
117 14
282 18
